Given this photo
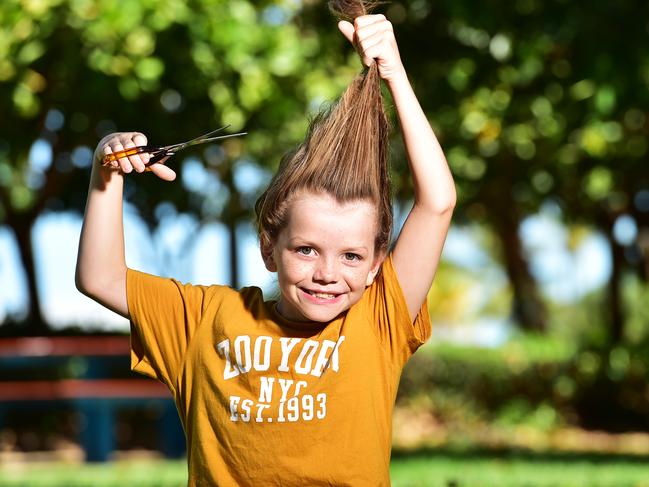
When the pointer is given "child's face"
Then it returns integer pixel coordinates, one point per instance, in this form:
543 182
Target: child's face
324 257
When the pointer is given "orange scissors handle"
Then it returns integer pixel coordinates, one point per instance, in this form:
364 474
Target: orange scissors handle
131 151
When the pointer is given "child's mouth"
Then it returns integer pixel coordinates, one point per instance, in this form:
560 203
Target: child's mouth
320 295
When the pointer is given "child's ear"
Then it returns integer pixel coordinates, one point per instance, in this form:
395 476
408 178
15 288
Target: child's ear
267 256
378 260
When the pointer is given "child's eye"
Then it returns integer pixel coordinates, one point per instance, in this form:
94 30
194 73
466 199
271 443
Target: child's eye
304 250
352 256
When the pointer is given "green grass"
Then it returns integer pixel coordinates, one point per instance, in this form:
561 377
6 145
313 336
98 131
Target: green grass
488 469
141 473
424 468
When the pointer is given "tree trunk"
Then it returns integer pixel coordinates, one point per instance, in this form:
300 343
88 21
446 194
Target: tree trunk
231 216
528 310
642 220
614 287
35 322
234 254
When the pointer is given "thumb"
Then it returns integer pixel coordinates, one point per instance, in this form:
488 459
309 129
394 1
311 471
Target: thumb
162 171
347 29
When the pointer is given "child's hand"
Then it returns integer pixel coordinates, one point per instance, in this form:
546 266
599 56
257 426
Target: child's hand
373 37
124 140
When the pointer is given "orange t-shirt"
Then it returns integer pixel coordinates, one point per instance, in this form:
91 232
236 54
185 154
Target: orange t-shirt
265 401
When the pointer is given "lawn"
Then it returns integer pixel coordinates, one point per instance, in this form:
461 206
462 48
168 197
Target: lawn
490 469
434 468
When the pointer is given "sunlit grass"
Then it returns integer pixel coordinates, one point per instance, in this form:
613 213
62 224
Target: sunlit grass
144 473
421 469
446 469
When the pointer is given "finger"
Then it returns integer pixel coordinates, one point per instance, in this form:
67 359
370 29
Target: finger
368 19
163 172
123 162
372 48
383 26
135 159
106 150
367 60
372 53
370 42
347 30
140 139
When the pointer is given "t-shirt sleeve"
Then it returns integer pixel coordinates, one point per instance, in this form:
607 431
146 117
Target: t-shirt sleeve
390 316
164 315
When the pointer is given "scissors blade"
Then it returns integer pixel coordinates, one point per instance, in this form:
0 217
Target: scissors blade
182 145
200 140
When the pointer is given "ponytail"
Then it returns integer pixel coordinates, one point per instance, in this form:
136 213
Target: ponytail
344 154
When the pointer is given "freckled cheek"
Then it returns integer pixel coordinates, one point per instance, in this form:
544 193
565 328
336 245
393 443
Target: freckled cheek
295 271
356 279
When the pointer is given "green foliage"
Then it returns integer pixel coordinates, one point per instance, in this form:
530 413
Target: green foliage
170 69
636 294
523 98
506 385
523 95
538 381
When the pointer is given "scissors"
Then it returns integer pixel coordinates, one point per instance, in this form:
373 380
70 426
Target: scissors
160 152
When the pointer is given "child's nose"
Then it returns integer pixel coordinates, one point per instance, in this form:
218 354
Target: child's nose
325 271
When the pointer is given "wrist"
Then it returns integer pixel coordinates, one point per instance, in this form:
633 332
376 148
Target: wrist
398 81
103 175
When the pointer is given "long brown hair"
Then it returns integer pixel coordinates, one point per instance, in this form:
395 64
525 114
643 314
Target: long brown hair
344 154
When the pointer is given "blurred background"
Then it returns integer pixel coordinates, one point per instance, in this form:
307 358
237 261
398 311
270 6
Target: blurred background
536 371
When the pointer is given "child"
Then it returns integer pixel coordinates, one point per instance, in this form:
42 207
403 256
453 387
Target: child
298 391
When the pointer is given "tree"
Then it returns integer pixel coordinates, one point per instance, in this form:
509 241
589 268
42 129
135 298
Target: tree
535 101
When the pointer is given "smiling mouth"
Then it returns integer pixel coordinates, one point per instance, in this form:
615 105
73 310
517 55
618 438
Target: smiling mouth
320 295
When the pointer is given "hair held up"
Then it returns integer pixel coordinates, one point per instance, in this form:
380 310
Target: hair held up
344 154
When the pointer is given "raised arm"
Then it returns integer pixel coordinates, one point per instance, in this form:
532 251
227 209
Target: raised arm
101 266
418 249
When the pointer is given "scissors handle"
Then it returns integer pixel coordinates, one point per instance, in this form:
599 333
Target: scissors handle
131 151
